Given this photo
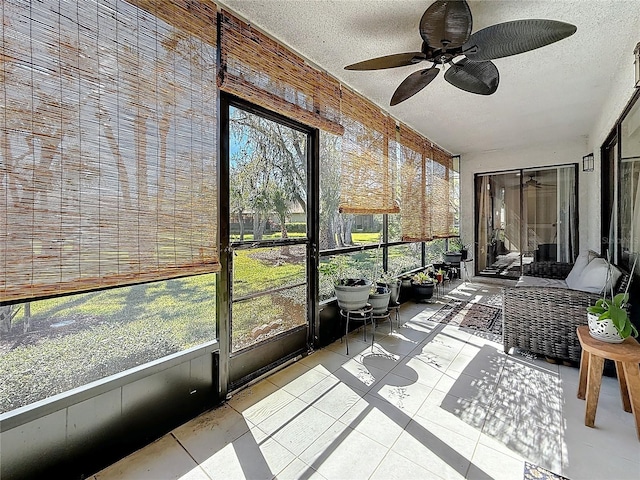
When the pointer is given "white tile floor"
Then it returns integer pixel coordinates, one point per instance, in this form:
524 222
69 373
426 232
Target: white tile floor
430 401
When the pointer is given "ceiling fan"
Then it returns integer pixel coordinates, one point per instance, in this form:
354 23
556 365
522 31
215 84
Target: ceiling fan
445 29
532 183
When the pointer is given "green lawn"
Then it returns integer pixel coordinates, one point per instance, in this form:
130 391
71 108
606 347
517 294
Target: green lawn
77 339
252 274
361 238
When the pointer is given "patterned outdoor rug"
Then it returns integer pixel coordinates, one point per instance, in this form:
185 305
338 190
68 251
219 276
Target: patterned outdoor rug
534 472
479 317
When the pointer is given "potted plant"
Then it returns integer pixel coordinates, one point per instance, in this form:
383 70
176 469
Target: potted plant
452 257
379 299
457 253
352 292
609 318
422 285
393 283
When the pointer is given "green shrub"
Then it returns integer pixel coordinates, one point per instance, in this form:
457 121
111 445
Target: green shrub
296 227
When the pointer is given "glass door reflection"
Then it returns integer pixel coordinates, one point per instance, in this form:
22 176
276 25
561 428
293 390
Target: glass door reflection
549 213
499 224
525 216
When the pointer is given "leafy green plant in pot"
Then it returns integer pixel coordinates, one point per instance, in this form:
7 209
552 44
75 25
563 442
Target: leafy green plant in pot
393 283
381 290
609 318
422 285
352 292
379 298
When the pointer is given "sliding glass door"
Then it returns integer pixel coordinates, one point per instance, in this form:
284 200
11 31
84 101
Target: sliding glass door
630 187
549 214
498 226
525 216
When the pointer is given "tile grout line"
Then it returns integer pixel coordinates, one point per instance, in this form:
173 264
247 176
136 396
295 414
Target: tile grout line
189 453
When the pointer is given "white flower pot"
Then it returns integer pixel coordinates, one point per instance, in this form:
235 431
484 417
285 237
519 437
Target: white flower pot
394 288
395 292
379 301
603 329
353 297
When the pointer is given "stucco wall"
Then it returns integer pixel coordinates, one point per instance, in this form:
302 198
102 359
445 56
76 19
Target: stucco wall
570 151
532 156
621 91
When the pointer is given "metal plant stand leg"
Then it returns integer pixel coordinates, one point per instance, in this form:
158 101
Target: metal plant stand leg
395 309
374 319
364 314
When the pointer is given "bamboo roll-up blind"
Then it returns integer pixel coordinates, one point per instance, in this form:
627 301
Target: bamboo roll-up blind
367 181
108 157
426 207
441 218
415 212
257 68
194 17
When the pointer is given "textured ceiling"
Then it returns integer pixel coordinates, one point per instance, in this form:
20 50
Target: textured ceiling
544 96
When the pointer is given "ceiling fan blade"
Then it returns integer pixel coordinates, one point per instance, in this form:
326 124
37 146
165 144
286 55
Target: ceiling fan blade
388 61
413 84
512 38
532 183
475 77
446 24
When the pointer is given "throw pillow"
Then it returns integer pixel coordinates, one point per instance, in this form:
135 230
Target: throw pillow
578 267
591 254
594 276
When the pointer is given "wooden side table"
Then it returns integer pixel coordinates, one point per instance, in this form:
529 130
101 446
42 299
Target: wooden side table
626 356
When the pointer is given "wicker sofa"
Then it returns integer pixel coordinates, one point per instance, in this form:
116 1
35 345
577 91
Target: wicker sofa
543 320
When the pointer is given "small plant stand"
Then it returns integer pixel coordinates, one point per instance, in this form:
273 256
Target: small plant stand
394 308
374 319
360 315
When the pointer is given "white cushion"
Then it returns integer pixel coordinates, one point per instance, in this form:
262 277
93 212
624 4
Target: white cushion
593 277
528 281
578 267
591 254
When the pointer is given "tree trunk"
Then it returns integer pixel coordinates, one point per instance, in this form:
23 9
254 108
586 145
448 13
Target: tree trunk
259 222
339 231
348 226
241 224
331 232
323 241
5 318
283 227
27 317
7 314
